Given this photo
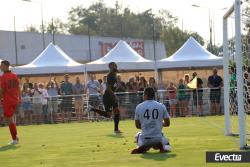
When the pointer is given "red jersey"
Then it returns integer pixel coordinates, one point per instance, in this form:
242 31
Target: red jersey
0 84
10 88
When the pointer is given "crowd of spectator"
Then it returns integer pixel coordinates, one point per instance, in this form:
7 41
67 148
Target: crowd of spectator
41 102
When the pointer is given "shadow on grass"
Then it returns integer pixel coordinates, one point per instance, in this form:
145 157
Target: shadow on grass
115 136
158 156
8 147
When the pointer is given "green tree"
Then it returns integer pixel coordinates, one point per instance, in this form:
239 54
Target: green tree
55 25
174 38
98 19
246 14
118 22
31 28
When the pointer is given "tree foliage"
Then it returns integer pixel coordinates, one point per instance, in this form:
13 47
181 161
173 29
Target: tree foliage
246 14
100 20
55 25
122 22
31 28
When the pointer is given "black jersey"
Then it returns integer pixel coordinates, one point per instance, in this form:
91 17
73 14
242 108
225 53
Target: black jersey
112 81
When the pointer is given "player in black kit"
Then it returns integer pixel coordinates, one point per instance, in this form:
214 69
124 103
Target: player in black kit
109 98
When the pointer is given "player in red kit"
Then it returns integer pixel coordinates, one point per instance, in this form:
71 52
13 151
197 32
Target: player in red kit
10 96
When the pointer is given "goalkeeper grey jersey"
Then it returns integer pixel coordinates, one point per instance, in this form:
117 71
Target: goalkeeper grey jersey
151 113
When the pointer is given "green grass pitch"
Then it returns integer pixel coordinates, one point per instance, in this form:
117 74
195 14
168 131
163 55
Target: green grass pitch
94 144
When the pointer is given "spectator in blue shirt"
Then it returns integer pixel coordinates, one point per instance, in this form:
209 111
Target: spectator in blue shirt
78 90
52 89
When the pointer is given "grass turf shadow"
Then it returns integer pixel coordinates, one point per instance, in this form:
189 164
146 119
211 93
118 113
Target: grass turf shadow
9 147
115 136
158 156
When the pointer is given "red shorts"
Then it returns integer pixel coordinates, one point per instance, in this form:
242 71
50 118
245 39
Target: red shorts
9 110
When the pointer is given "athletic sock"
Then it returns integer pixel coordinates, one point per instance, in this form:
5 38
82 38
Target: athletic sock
13 131
116 121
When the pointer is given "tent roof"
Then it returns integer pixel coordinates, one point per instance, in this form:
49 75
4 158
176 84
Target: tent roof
191 50
126 58
191 54
52 56
51 60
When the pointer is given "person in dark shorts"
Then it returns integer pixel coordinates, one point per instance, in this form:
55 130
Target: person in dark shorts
66 92
215 83
198 95
109 98
181 95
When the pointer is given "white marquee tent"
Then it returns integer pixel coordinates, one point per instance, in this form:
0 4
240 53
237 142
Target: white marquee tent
51 60
125 57
191 54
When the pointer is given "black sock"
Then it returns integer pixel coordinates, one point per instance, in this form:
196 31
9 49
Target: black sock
116 121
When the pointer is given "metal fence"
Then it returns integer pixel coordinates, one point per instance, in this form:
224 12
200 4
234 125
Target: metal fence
68 108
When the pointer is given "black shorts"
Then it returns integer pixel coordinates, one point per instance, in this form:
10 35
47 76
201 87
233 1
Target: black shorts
94 100
215 96
109 101
67 105
198 100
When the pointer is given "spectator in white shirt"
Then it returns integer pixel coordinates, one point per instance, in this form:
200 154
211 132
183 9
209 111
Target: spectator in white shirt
37 103
93 89
44 102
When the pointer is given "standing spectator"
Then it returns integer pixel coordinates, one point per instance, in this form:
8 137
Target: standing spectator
215 83
188 93
93 89
44 102
198 95
186 79
171 90
182 98
78 90
142 84
104 84
153 84
66 105
121 86
37 103
131 85
52 89
28 83
27 104
100 82
161 93
137 79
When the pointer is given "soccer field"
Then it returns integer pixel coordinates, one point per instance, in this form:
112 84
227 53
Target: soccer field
94 144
